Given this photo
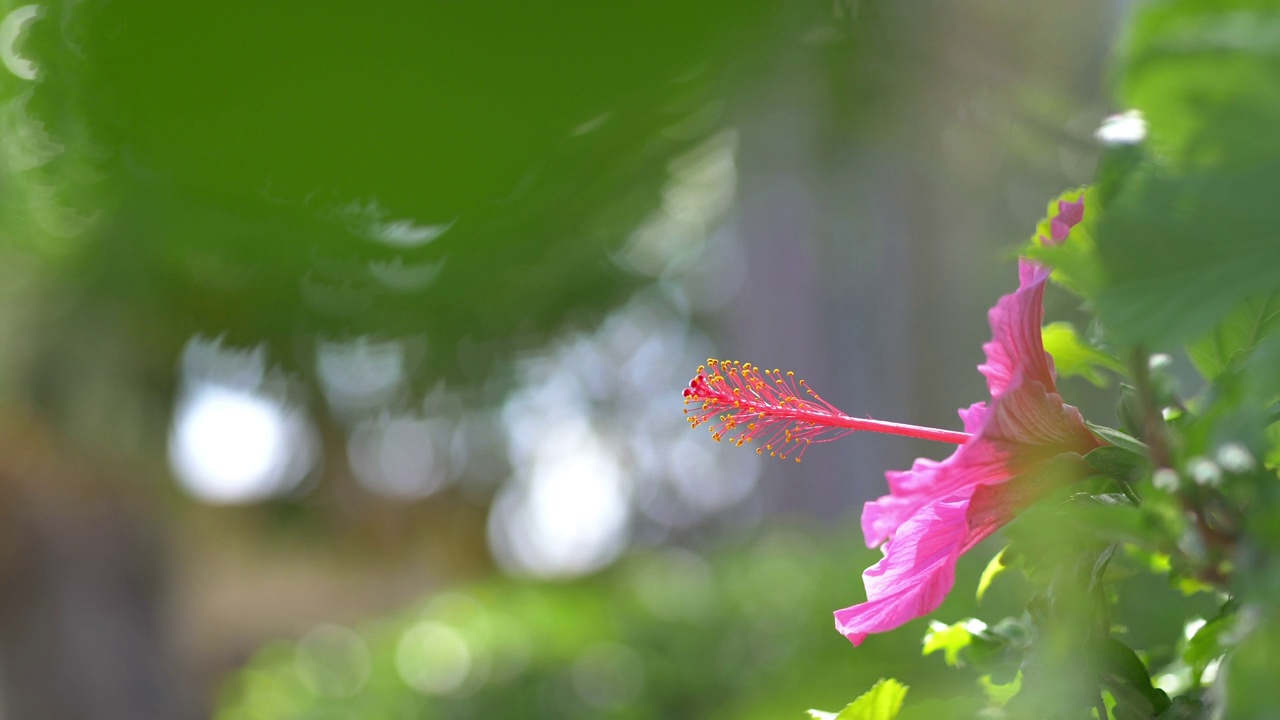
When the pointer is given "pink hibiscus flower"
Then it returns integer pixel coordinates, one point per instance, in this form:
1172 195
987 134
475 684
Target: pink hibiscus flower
937 510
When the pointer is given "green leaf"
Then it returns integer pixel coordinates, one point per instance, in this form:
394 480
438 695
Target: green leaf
1203 74
989 573
951 708
882 702
1110 517
1124 674
1000 693
1115 462
1207 644
1180 253
1119 439
950 639
1193 233
1248 675
1239 333
1183 708
1073 357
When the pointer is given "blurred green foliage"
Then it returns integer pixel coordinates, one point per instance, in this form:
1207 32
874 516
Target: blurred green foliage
1192 234
454 171
741 632
744 632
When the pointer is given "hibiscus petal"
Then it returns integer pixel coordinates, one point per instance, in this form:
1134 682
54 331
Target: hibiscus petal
916 573
1016 347
1070 213
973 417
1024 426
928 481
1031 415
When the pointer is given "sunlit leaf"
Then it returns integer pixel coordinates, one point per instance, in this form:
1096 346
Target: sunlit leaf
989 573
1073 357
1000 693
951 708
1207 643
882 702
950 639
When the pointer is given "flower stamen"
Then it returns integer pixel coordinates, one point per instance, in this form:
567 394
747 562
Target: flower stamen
744 403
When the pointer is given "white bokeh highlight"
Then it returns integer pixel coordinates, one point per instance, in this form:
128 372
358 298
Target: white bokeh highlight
235 438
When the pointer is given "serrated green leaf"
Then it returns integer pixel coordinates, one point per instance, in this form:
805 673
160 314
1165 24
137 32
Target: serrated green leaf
1171 270
1193 234
1240 332
989 573
1073 357
882 702
1203 75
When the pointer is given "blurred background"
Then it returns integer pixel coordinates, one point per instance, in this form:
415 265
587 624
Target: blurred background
341 345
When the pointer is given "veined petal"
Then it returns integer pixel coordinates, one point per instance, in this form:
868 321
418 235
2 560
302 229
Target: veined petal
1025 425
1016 347
918 568
973 417
1034 417
916 573
928 481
